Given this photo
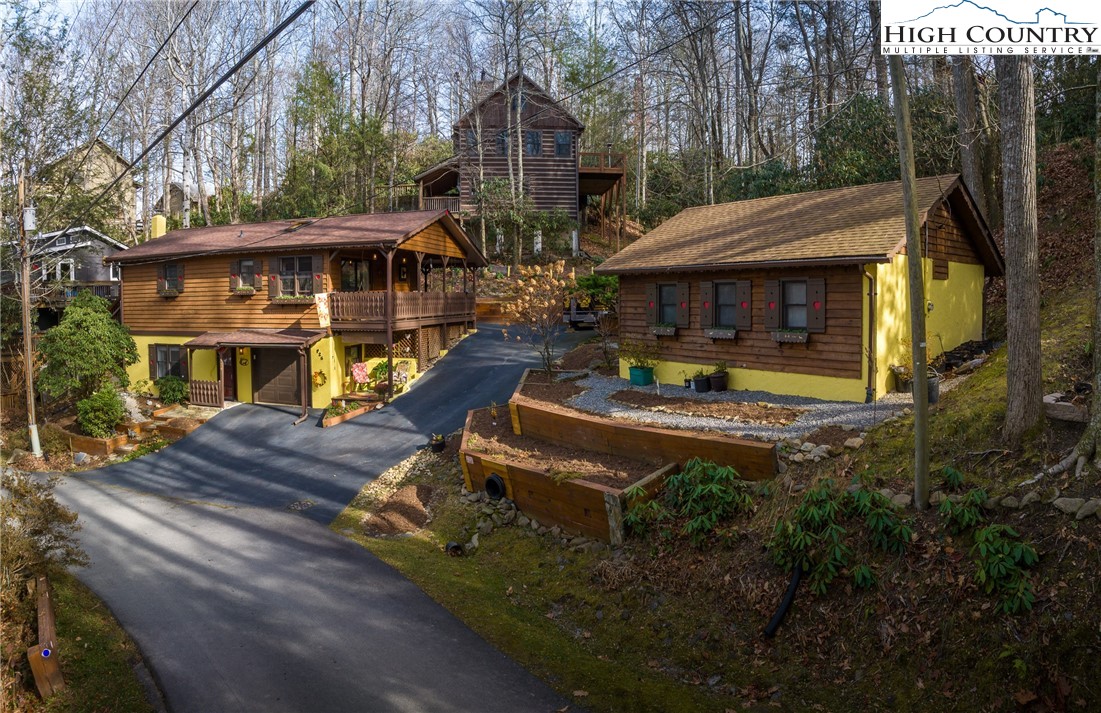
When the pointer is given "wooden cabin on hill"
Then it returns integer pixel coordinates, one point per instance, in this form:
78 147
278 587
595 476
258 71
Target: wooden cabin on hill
806 294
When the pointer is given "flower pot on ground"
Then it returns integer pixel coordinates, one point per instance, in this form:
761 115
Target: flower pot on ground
718 378
437 443
701 382
641 358
641 375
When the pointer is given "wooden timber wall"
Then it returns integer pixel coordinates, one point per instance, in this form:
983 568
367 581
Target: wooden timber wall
836 352
577 505
752 459
551 181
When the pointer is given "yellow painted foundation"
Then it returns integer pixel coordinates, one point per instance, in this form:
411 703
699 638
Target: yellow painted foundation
818 387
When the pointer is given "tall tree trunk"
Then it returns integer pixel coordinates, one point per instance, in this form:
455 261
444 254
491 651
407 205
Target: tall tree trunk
971 140
1017 106
877 53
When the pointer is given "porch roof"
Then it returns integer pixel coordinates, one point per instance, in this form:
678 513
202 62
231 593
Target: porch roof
257 338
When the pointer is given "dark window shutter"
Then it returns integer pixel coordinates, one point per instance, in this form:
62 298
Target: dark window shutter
707 304
152 362
180 277
184 373
772 304
651 304
683 305
743 315
236 279
318 274
258 273
816 304
160 278
273 277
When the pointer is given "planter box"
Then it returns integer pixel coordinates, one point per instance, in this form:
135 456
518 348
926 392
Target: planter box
336 420
641 375
96 446
663 331
145 427
790 337
754 460
243 293
576 505
293 301
721 333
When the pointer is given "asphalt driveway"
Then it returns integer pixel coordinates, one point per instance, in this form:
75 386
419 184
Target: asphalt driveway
240 604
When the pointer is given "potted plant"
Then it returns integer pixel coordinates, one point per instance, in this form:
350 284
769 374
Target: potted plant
701 382
641 358
904 378
664 329
244 291
687 380
437 443
493 412
718 378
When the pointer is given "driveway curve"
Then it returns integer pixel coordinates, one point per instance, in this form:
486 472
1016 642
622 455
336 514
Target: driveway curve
241 604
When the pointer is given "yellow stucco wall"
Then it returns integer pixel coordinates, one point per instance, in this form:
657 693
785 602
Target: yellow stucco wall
244 375
203 365
819 387
956 316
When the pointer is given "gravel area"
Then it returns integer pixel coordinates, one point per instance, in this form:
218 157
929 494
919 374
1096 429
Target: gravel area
818 413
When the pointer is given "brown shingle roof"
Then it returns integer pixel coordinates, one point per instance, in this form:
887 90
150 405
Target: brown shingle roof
376 229
257 337
839 225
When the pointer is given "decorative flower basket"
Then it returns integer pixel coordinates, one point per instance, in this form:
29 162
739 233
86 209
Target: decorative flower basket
663 330
169 293
293 300
244 291
720 333
794 337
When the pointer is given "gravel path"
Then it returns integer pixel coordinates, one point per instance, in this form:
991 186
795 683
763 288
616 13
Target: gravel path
819 413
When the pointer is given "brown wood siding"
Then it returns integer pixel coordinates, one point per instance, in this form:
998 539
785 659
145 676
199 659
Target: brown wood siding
206 305
434 240
551 182
947 238
838 351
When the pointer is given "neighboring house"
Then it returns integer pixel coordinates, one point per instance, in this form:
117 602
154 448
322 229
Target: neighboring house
64 265
175 200
555 174
278 312
806 294
94 173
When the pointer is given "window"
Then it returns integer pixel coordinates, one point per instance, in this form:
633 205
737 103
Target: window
521 100
471 142
245 274
726 305
167 360
533 143
354 275
172 277
296 275
794 303
563 144
667 304
503 142
115 271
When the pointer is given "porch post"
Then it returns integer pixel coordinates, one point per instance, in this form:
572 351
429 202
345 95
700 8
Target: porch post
221 375
420 275
304 382
622 210
474 292
390 323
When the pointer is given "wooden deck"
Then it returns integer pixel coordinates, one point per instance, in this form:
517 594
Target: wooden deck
367 310
597 173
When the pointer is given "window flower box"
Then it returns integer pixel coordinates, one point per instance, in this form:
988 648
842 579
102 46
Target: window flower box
721 333
243 291
294 300
664 330
796 336
168 293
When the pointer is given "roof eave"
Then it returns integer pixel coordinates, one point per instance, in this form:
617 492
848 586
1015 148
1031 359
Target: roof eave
758 264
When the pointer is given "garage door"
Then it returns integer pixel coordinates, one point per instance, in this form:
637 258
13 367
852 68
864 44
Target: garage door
275 376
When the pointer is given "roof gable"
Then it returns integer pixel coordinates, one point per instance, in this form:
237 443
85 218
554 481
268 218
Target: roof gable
548 103
855 224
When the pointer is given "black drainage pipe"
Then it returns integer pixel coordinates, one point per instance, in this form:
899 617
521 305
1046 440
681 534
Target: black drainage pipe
785 603
495 487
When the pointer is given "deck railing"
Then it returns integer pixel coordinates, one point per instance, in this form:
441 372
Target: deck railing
601 161
371 306
206 393
66 292
450 203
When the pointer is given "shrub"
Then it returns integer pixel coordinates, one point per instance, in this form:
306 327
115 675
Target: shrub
1000 562
85 349
965 514
953 479
100 413
173 389
640 354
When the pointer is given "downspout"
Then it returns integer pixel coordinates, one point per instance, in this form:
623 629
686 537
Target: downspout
305 373
869 392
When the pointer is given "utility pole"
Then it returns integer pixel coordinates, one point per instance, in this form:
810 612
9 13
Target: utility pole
25 294
917 283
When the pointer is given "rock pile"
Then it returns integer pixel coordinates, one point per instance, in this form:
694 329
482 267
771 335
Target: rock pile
504 513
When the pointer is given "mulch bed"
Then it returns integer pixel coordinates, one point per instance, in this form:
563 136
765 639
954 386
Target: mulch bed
500 441
537 386
754 413
404 511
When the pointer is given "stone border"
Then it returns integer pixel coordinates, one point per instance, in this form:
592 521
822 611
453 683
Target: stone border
1081 508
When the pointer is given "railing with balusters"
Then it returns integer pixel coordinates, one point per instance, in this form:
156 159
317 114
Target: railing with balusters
206 393
65 293
371 306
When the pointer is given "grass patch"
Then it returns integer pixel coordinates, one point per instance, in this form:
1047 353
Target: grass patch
96 654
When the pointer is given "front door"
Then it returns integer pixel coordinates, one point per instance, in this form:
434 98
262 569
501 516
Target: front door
275 376
229 373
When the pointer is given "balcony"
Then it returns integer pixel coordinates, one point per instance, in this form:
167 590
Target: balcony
367 310
55 293
449 203
597 173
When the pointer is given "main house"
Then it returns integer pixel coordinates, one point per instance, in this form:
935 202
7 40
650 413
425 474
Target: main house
488 138
806 294
278 312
